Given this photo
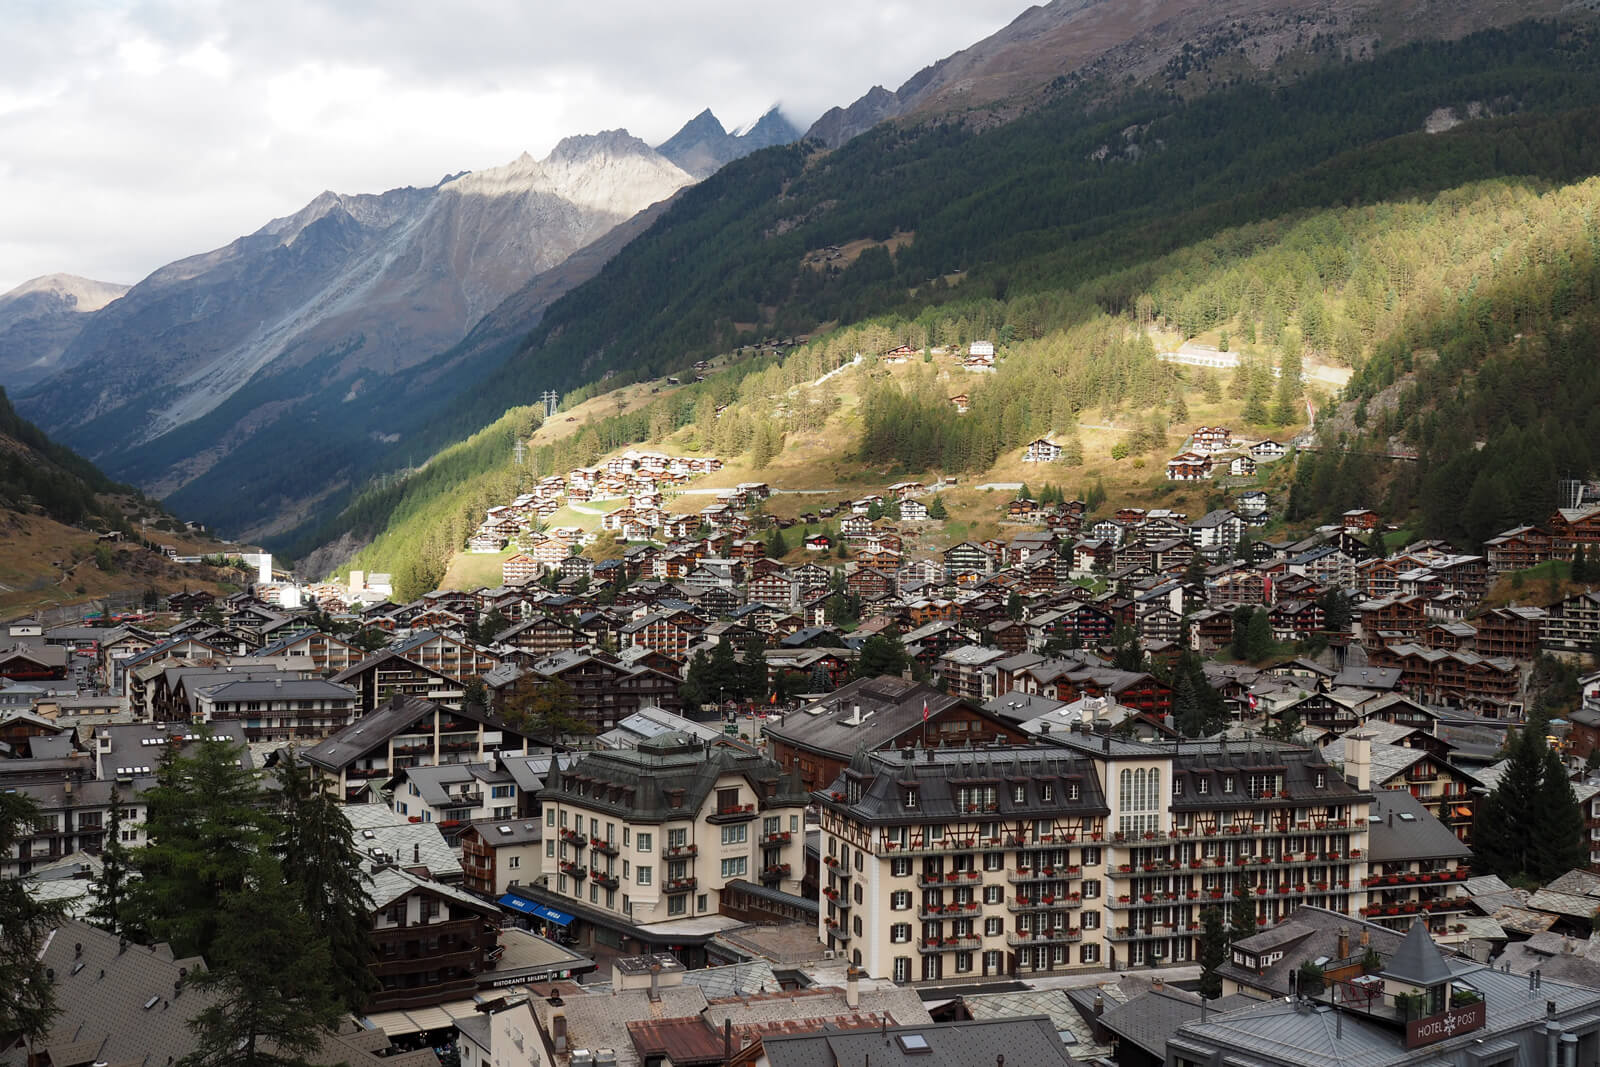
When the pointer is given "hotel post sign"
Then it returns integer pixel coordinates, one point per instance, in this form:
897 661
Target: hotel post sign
1448 1024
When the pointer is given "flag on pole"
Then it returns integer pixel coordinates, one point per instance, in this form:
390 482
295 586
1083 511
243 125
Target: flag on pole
1253 701
924 709
774 698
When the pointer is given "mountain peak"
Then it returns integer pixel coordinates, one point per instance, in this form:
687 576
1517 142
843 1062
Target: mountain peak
582 147
703 146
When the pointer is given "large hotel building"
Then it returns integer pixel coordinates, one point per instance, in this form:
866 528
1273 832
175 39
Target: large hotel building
1089 852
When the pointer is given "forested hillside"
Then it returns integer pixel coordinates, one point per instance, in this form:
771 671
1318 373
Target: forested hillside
1315 222
37 473
1048 201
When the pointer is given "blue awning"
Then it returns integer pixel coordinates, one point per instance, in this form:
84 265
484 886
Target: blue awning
534 908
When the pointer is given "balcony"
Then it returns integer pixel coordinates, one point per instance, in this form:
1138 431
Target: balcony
609 881
736 813
782 837
676 885
1061 935
941 880
936 912
835 897
574 871
838 932
1155 932
1415 907
831 865
1048 902
1027 875
1402 878
949 944
775 873
673 852
367 772
471 798
1268 828
573 838
607 848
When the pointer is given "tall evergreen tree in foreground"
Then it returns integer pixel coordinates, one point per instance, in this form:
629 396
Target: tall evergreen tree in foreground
206 826
269 973
322 865
1213 951
111 884
27 997
1530 827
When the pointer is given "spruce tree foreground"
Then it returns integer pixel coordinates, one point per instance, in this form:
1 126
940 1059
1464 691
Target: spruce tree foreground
260 878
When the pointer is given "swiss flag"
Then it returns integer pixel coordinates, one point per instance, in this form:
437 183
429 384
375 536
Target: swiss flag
924 709
1253 701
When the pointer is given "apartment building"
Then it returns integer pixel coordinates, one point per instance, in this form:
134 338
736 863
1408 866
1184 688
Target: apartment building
278 709
637 838
1092 853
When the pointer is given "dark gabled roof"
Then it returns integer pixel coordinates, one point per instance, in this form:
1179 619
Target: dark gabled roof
1417 961
640 784
378 726
937 774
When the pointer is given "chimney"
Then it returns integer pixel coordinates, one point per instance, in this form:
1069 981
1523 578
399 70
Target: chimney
655 982
1156 984
1358 760
1099 1005
852 989
558 1021
416 853
1344 943
1366 938
727 1039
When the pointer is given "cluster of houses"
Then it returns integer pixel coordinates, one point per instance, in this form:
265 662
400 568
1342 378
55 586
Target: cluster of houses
639 477
1017 803
1213 450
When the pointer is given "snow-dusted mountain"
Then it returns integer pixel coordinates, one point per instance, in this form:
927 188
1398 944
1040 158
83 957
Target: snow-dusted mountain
39 318
316 315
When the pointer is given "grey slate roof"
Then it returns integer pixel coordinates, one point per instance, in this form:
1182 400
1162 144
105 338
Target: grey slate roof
889 707
1150 1019
1392 835
1031 1040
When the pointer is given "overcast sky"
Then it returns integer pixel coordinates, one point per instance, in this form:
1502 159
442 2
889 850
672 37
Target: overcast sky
137 133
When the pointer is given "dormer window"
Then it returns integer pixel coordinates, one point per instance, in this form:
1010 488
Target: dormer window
1019 794
1227 784
909 796
1072 791
1047 793
1322 780
1204 786
1177 786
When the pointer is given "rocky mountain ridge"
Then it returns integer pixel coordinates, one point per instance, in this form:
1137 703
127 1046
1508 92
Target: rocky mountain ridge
40 317
1186 45
703 146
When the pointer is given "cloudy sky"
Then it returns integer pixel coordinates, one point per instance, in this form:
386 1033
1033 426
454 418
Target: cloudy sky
135 133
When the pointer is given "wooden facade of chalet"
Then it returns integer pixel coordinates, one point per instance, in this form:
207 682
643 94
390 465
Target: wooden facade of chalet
1189 467
1571 527
1518 549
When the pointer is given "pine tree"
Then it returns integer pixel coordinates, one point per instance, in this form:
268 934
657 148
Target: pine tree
936 508
776 547
269 975
1501 831
1213 951
27 996
206 826
1580 565
1242 916
753 676
1014 606
317 850
1258 636
110 886
1556 824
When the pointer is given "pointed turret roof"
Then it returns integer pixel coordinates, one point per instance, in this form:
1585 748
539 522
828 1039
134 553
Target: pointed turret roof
1418 960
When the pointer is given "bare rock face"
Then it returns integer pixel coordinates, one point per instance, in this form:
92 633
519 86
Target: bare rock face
703 147
1116 39
331 305
39 318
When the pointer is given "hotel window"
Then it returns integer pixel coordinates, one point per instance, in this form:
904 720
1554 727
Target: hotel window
645 842
910 797
900 866
993 927
678 904
902 968
900 932
1019 794
734 867
993 894
1227 783
1047 793
900 900
1072 791
733 835
641 875
1139 797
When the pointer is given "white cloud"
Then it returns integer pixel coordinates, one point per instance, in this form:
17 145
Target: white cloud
147 130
